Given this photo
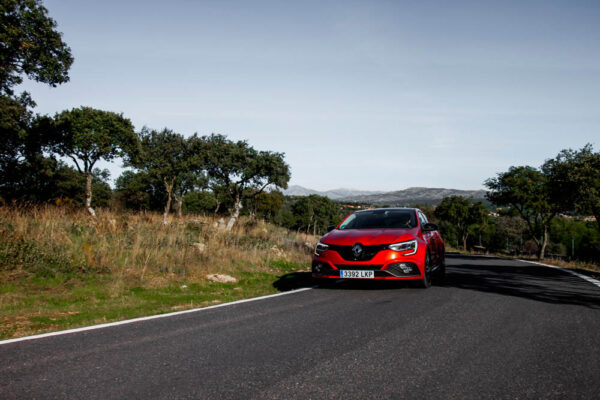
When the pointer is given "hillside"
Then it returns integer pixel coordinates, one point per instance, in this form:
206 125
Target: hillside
414 195
334 194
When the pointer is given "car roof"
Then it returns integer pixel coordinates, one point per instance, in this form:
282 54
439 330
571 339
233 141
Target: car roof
389 208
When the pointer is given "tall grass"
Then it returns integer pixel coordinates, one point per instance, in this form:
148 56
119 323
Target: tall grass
137 247
49 254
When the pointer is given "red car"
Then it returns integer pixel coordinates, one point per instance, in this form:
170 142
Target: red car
384 243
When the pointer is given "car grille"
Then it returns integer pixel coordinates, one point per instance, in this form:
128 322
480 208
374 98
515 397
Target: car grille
368 251
359 267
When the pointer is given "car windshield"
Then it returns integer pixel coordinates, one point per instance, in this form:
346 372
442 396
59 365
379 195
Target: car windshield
380 219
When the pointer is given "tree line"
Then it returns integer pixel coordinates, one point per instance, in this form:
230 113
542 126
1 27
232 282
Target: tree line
166 165
566 184
534 208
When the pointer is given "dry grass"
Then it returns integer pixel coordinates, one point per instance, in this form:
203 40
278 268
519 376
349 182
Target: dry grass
138 247
57 264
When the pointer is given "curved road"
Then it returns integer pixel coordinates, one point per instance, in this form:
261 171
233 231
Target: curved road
497 329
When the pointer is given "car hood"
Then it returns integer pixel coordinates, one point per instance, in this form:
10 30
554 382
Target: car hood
368 236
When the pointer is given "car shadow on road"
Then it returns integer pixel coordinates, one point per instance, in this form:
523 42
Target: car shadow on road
370 284
294 280
531 282
298 280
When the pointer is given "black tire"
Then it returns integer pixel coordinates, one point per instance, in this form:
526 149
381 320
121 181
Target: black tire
440 274
425 282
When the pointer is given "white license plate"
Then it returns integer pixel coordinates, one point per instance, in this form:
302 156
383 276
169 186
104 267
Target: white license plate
347 274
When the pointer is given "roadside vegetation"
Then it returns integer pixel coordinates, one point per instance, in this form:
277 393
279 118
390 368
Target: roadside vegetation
60 269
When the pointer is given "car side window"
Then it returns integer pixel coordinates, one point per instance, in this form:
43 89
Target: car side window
422 218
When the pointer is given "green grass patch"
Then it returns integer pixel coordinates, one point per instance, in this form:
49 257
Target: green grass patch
43 305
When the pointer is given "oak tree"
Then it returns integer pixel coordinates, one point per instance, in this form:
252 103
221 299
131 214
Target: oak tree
458 214
30 45
88 135
170 158
526 190
242 171
575 180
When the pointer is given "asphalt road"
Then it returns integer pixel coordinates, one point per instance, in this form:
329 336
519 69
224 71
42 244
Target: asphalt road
496 330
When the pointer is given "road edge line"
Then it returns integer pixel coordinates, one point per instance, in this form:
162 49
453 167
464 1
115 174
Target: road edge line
147 318
584 277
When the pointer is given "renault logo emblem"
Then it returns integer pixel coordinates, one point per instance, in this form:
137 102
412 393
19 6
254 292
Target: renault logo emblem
357 250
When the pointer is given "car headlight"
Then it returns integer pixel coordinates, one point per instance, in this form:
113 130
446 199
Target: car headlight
410 246
321 248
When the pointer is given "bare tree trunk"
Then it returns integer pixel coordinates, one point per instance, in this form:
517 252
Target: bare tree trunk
542 249
88 194
252 213
178 205
254 209
169 189
309 223
464 238
236 212
218 202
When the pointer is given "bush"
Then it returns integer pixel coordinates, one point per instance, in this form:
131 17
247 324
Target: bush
17 253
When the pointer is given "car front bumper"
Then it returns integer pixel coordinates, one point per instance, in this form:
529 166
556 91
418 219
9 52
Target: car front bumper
393 270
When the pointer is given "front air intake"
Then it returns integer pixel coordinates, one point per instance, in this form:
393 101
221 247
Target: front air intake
403 269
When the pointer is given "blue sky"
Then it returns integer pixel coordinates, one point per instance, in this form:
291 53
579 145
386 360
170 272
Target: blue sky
373 95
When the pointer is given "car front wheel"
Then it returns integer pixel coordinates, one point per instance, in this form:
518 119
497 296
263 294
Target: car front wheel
425 282
440 273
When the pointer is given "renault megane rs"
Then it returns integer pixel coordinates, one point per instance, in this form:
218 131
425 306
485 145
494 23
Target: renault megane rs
385 243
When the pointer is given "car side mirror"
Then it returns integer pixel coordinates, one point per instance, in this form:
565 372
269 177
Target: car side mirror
330 228
430 226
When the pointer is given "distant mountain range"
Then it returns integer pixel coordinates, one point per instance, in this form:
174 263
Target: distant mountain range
406 197
334 194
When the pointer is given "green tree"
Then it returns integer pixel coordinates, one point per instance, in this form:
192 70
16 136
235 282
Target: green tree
458 215
574 181
577 238
26 173
194 177
30 45
168 157
15 122
66 184
242 171
134 190
88 135
314 213
503 230
268 204
526 190
199 202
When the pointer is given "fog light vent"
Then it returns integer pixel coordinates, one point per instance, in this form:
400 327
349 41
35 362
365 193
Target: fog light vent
403 269
318 268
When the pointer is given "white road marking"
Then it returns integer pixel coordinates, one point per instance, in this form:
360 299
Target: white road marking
130 321
584 277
